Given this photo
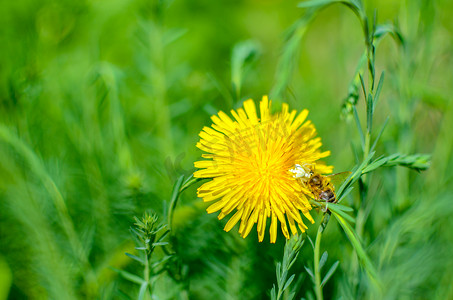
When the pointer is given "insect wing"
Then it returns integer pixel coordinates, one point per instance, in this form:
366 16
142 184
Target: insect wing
338 178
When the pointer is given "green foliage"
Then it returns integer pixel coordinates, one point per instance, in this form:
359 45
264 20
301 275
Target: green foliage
291 251
242 56
101 103
145 233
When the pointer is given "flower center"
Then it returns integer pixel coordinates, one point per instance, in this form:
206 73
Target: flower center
266 166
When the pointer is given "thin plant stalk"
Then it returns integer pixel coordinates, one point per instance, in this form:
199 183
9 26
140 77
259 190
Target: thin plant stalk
318 288
317 250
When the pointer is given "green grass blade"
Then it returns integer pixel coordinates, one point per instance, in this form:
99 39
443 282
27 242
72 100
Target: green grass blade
363 257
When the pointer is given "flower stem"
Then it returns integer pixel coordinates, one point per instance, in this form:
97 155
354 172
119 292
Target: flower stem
318 287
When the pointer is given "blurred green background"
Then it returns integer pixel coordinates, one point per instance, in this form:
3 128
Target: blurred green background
101 103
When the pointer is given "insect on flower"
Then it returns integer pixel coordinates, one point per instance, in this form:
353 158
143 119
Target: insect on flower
321 186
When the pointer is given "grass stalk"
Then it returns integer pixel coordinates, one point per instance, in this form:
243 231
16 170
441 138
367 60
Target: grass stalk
58 200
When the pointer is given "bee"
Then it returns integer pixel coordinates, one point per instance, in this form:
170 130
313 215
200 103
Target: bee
321 186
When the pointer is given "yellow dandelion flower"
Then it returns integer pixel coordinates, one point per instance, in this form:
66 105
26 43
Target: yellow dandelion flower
249 162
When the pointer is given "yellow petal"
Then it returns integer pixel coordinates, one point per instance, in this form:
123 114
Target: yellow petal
234 219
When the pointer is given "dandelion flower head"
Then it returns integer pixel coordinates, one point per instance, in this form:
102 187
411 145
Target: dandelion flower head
249 162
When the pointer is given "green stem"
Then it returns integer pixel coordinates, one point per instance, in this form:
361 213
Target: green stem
318 287
146 272
366 151
179 187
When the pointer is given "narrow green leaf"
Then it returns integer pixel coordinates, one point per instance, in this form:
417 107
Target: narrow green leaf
242 55
415 161
323 260
363 257
293 261
353 88
291 296
188 182
310 272
330 273
163 235
370 112
383 29
362 82
343 207
354 151
129 276
359 127
159 228
279 270
366 31
161 261
135 258
345 193
287 63
371 66
358 4
375 164
355 175
378 89
136 235
274 293
160 244
138 222
374 23
142 292
283 277
332 207
380 133
288 282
